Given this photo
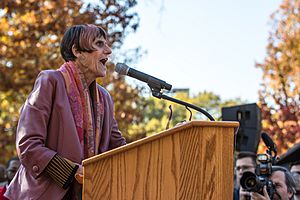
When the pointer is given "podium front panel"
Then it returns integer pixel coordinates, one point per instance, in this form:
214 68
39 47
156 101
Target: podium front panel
191 162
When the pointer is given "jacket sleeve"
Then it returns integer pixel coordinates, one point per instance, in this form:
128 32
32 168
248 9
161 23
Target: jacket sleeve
116 138
62 171
31 133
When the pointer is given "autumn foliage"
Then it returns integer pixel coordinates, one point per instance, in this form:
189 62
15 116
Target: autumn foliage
29 42
280 91
30 36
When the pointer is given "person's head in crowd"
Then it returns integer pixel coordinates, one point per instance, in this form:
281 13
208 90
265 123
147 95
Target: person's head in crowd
295 167
245 161
2 173
12 167
284 185
295 170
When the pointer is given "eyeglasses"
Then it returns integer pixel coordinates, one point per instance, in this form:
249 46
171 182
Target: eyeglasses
244 167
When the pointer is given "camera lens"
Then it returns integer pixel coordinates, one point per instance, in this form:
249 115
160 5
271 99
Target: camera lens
249 181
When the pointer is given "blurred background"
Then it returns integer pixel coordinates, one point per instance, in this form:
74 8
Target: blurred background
216 54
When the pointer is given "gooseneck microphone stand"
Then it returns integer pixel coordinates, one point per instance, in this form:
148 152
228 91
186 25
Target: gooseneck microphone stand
156 85
157 92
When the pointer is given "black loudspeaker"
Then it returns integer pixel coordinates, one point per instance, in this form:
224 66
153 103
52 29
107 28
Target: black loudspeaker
249 117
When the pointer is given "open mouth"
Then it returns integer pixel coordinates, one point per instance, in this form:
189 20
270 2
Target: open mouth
104 60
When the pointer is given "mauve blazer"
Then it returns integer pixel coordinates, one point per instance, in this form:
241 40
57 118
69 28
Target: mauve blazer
47 127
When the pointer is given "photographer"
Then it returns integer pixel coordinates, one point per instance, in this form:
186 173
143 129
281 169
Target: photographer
269 181
292 158
295 170
245 161
284 186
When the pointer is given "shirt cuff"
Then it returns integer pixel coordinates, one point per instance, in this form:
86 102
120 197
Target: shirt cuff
62 171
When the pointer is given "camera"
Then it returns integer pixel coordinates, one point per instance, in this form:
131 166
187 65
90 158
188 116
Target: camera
255 182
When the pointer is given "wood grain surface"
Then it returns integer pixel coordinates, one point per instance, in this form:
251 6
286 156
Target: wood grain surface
190 162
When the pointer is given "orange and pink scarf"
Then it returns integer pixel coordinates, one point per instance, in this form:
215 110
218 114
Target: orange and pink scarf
83 108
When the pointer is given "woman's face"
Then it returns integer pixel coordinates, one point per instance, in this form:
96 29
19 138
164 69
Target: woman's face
93 64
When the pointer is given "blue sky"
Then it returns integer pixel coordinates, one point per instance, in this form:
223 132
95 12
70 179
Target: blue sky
204 45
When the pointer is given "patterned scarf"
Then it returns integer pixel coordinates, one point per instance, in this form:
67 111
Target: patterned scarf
83 108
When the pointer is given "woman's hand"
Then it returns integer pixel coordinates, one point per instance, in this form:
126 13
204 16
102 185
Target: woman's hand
79 175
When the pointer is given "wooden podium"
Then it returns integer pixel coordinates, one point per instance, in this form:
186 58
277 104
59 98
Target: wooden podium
191 161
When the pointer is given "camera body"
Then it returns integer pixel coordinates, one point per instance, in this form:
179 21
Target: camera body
255 182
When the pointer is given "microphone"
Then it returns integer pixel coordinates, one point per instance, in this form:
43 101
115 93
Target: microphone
268 141
153 82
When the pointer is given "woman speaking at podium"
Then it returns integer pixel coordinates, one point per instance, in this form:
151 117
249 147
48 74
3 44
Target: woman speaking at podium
67 117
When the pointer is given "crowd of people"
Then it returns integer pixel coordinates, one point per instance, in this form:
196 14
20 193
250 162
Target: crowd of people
284 178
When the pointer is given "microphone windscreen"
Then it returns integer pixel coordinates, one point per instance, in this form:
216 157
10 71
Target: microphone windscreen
121 68
267 140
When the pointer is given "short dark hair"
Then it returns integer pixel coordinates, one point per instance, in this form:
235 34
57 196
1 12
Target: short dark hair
295 163
12 159
289 180
82 37
247 154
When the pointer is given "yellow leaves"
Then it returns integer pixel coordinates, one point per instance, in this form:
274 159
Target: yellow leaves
7 125
261 148
4 24
3 49
265 124
123 115
280 124
9 104
29 18
4 39
4 104
290 123
47 19
22 44
41 24
48 4
153 126
122 86
133 129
